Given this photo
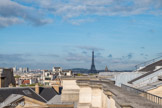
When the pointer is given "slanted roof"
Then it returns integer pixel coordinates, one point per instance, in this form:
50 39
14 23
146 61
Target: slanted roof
5 92
151 67
26 82
142 76
57 67
151 86
10 99
48 93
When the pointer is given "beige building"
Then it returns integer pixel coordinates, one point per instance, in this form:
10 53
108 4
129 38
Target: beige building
92 92
66 73
56 69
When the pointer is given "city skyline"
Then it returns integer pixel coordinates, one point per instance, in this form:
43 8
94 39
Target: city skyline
47 33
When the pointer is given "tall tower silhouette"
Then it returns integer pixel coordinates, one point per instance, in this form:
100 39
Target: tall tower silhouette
93 69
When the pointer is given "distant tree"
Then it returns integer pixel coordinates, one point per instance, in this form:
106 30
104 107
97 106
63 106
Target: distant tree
17 76
30 85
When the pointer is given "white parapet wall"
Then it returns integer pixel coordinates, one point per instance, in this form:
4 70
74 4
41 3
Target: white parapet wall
70 84
85 96
96 97
88 93
70 92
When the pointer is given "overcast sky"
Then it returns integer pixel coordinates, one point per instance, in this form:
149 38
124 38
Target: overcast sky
46 33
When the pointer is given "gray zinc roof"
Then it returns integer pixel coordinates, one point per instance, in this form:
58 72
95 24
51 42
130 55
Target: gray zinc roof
6 92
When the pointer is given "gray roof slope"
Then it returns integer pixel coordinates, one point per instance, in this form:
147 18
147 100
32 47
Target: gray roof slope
57 67
142 76
151 86
48 93
6 92
10 99
151 67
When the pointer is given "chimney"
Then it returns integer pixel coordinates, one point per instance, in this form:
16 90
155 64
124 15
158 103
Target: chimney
57 85
57 88
36 87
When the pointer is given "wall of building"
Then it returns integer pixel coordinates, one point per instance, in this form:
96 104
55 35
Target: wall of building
96 93
96 97
70 92
8 77
156 91
104 100
85 96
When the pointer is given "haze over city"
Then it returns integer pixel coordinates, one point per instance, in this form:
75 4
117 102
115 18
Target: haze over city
43 33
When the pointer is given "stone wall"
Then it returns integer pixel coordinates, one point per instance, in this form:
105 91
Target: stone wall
156 91
70 92
101 94
85 96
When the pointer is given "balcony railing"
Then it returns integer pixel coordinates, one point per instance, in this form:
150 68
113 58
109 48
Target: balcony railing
144 94
148 62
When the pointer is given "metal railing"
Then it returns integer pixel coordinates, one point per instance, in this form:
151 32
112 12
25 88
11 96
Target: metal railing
148 62
144 94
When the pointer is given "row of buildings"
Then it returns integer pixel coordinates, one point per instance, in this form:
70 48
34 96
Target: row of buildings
45 77
20 70
32 89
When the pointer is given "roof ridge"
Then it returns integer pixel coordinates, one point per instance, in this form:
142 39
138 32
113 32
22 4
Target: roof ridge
51 89
146 74
38 95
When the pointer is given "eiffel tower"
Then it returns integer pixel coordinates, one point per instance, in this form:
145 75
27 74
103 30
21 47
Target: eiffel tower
93 69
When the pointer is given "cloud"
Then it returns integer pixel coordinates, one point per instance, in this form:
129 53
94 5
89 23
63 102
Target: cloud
80 21
8 58
5 22
98 54
130 55
151 30
75 57
71 60
49 55
12 12
84 61
110 56
145 56
90 48
159 54
37 12
84 52
74 8
142 47
116 63
127 57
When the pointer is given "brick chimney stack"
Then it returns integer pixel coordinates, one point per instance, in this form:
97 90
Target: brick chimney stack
36 87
